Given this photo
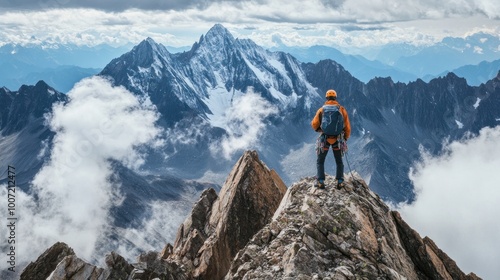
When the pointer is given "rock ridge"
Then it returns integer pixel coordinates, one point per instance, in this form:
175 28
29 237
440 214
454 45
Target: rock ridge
340 234
246 203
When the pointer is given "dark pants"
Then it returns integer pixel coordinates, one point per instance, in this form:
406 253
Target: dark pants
320 162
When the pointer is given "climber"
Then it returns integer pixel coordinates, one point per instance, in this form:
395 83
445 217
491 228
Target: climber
332 122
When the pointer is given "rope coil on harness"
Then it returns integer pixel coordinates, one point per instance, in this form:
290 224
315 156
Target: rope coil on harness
342 144
320 144
343 148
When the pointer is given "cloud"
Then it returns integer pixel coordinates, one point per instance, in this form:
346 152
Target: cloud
245 120
159 229
349 28
72 194
320 22
284 10
457 199
112 5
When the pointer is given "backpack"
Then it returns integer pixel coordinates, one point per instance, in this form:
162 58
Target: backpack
332 121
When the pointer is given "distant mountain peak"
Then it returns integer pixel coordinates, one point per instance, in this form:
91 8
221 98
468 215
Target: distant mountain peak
219 29
19 108
148 54
42 84
150 40
218 34
147 44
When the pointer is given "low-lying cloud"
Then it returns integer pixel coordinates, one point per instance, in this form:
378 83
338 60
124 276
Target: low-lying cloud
245 120
72 194
457 202
157 230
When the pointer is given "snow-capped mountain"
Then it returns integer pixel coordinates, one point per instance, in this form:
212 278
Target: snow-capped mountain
196 89
216 70
390 120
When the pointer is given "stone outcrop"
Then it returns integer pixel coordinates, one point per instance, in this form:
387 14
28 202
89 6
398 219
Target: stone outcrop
257 229
219 227
59 262
340 234
425 254
47 262
72 267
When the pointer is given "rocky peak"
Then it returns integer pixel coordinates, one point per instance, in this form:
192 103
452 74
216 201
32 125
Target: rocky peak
4 90
18 107
218 34
246 203
215 49
340 234
148 53
47 262
60 262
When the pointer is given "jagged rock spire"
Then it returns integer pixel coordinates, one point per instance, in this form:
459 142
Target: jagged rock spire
218 33
245 204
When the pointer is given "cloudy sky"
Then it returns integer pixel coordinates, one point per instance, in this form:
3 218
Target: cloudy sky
345 23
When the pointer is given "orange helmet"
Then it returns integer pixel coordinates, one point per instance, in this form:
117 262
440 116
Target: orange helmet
331 93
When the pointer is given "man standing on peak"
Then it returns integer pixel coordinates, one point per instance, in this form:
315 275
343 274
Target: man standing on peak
332 122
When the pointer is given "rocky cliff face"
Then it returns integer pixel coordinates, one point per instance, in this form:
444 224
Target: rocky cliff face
257 229
340 234
209 239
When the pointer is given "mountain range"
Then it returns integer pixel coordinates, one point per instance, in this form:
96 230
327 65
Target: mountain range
226 95
390 120
474 58
62 65
475 74
194 90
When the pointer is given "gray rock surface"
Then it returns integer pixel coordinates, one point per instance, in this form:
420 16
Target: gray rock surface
340 234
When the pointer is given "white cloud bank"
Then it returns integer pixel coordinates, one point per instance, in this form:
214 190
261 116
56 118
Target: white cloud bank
319 22
245 120
457 202
73 189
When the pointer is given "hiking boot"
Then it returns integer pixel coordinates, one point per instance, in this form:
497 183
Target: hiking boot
340 184
320 184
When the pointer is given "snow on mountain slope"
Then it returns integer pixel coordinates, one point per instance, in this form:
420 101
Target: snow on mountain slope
200 86
198 91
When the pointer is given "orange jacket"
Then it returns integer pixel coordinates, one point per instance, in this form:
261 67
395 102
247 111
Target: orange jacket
316 122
